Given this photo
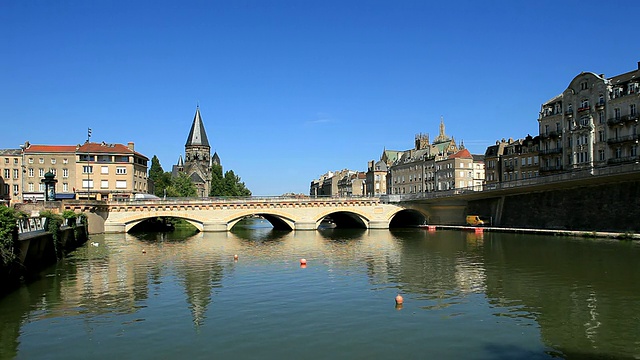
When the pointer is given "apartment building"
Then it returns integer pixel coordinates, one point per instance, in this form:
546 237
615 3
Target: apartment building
60 160
110 171
376 178
10 177
593 123
352 184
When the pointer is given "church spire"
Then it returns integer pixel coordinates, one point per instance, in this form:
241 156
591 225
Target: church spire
197 135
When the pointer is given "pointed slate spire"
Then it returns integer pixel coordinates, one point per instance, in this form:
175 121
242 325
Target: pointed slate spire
180 162
197 135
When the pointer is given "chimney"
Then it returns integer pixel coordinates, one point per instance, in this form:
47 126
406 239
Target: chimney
130 145
638 65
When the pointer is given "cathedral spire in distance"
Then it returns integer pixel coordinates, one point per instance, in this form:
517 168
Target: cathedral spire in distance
197 135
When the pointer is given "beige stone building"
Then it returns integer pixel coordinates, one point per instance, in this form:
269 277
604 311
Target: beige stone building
110 171
376 178
431 167
593 123
352 184
41 159
10 175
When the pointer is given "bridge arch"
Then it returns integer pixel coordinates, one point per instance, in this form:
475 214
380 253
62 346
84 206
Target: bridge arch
278 221
407 218
345 218
130 224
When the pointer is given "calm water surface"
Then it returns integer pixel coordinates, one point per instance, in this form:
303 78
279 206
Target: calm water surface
466 296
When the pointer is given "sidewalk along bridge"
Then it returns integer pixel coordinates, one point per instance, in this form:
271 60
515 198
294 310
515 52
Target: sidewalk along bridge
221 214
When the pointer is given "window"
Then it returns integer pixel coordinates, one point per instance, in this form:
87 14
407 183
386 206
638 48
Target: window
65 187
53 171
87 184
7 173
104 170
16 189
30 160
53 161
41 160
584 85
16 173
65 161
65 173
104 184
601 155
41 172
601 117
121 184
41 187
616 113
123 170
632 109
601 135
31 172
15 161
87 169
31 187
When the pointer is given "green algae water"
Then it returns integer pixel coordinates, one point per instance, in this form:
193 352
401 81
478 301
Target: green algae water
466 296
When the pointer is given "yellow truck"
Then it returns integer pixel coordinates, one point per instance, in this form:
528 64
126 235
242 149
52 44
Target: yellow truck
474 220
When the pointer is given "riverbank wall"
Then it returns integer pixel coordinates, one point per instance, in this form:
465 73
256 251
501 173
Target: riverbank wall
611 207
38 249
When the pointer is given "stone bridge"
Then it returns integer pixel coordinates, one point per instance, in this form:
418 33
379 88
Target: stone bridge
217 214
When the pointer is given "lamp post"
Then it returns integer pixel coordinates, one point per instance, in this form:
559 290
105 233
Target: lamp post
22 148
88 165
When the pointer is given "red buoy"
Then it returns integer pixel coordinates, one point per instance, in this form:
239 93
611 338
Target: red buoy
399 299
235 257
303 261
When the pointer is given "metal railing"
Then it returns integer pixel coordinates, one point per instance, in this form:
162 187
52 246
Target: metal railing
534 181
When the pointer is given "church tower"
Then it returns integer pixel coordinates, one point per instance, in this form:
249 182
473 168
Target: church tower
197 161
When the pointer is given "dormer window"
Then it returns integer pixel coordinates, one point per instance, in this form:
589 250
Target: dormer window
584 85
633 88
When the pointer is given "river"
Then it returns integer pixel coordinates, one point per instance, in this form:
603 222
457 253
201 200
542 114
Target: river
466 296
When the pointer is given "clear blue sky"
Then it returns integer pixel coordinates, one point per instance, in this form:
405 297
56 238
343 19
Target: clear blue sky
291 89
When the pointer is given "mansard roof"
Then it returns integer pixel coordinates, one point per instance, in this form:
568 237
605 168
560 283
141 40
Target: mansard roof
197 135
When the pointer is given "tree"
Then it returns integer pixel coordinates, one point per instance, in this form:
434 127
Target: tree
161 179
8 235
182 186
233 186
228 185
217 181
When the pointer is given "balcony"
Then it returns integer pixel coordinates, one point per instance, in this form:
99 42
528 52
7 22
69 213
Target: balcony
584 108
555 134
600 105
568 113
551 151
621 120
623 139
550 168
622 160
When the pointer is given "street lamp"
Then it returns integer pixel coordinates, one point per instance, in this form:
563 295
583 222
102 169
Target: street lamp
22 148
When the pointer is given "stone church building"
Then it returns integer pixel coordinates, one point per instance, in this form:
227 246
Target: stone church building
197 160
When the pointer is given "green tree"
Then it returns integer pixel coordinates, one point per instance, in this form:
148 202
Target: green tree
182 186
233 186
161 179
217 181
8 217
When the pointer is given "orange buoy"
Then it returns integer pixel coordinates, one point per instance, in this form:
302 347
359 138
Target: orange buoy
399 299
303 261
235 257
144 251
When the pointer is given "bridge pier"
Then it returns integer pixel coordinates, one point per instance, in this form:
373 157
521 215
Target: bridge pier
378 224
305 225
214 226
111 228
